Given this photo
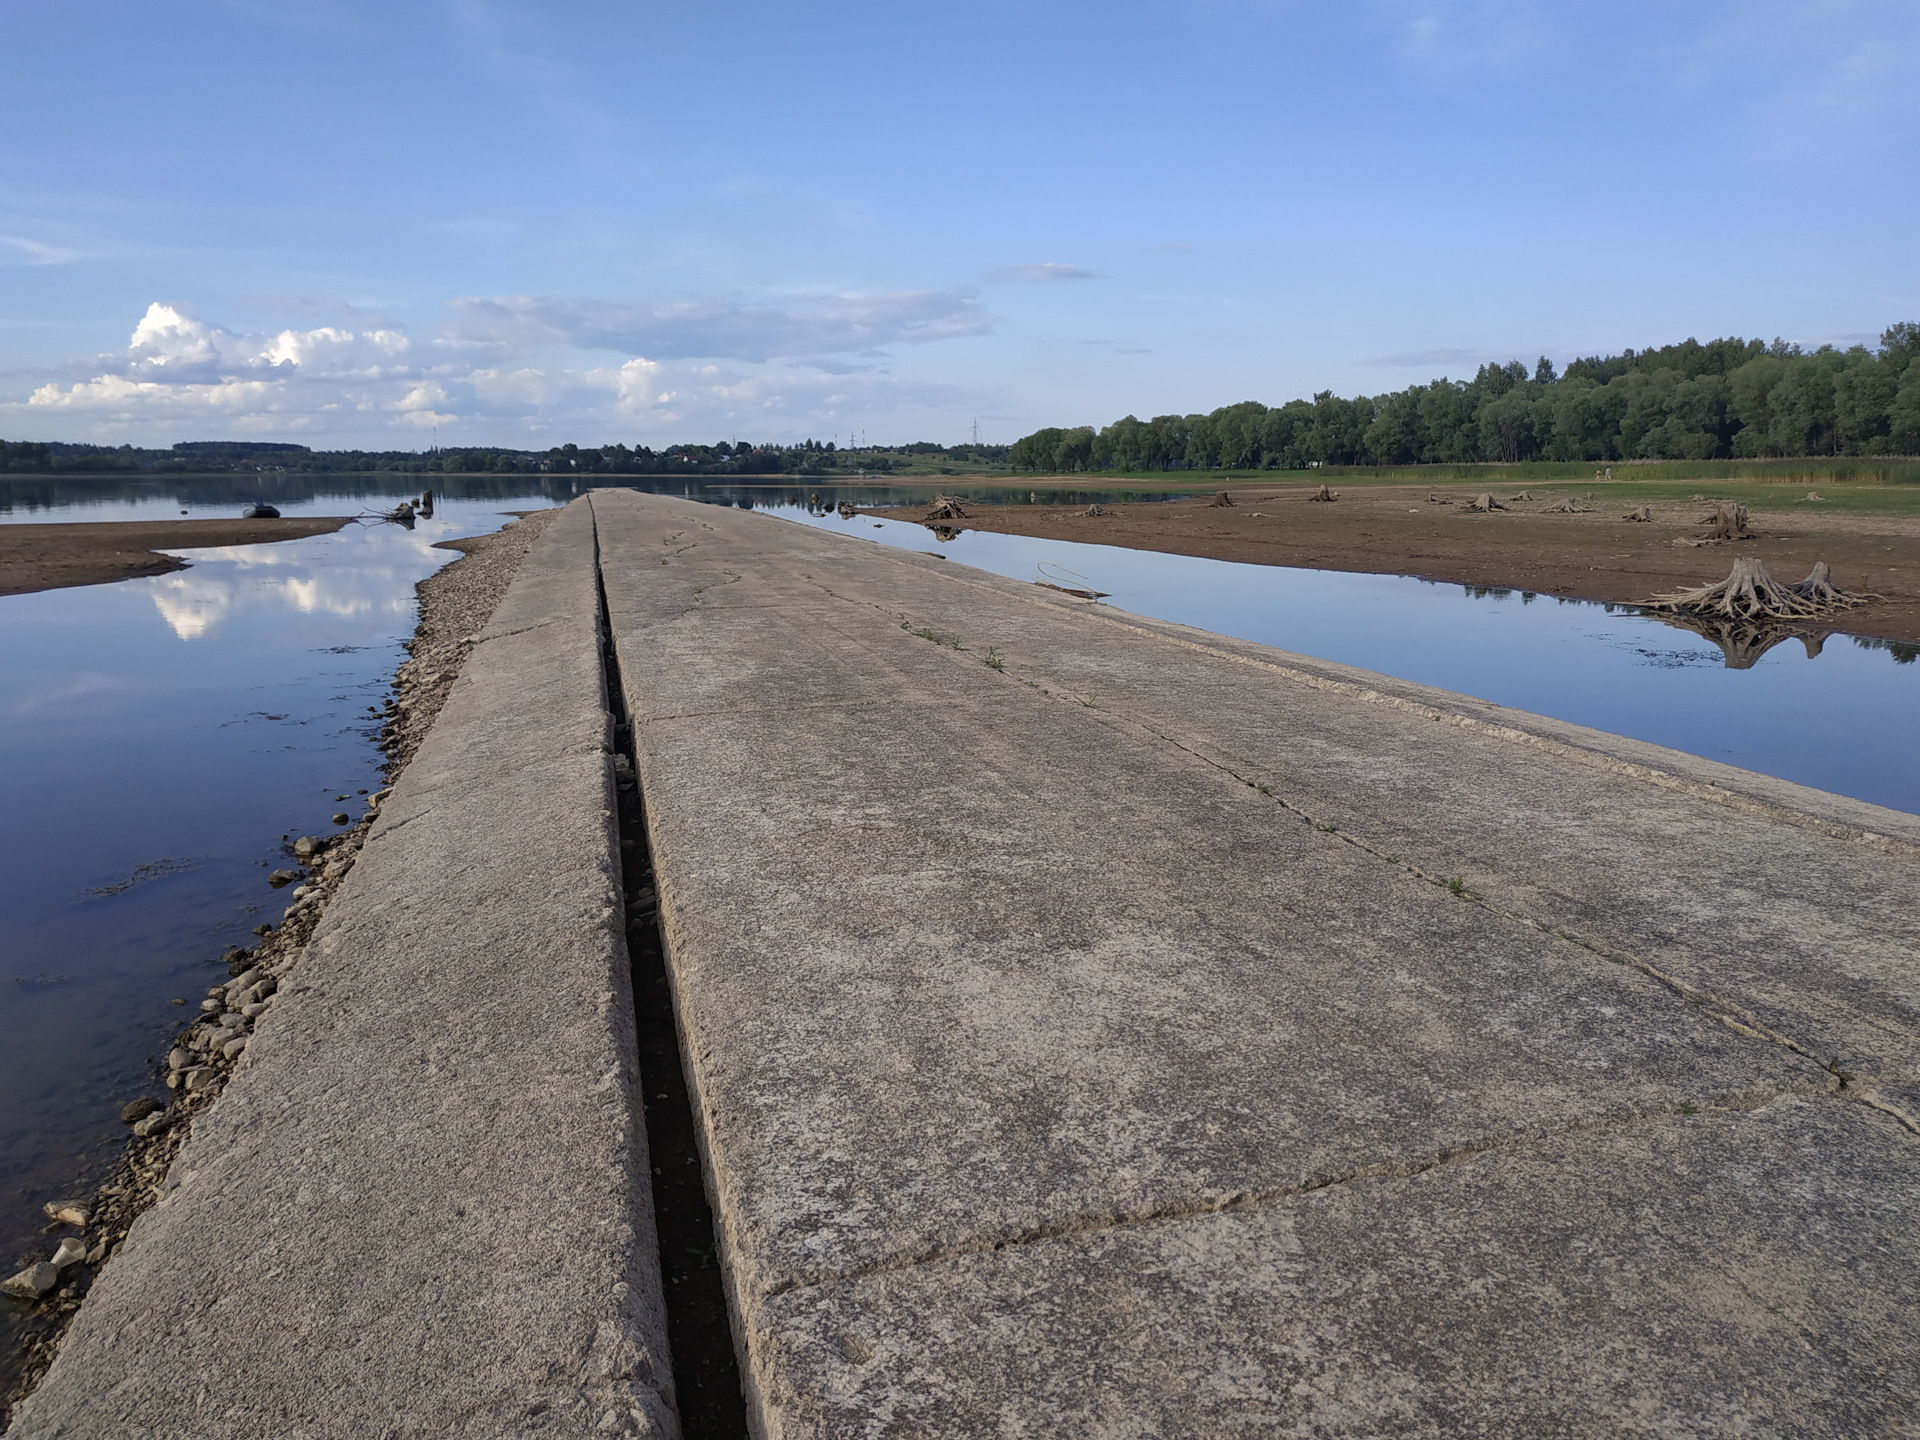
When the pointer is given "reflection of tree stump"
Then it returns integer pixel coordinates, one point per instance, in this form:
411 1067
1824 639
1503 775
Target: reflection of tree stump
1323 493
1221 499
846 509
1643 515
1485 503
1742 642
1568 506
1750 593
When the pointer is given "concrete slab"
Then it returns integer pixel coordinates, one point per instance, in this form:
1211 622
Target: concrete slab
1110 930
422 1206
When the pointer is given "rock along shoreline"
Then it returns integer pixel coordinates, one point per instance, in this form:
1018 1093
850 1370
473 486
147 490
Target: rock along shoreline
455 603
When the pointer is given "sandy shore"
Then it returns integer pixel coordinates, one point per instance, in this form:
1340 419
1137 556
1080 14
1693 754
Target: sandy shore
1398 530
50 557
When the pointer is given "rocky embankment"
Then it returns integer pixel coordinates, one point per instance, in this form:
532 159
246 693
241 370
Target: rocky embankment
454 604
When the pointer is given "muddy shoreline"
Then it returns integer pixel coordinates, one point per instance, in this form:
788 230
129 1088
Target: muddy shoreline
53 557
1429 533
455 602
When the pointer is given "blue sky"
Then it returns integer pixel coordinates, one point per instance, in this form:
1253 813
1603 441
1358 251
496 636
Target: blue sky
357 224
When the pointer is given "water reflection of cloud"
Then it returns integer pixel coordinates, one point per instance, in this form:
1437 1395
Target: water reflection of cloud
192 604
350 576
73 687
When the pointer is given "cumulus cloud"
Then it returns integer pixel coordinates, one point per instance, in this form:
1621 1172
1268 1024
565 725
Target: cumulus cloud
511 372
1041 273
727 328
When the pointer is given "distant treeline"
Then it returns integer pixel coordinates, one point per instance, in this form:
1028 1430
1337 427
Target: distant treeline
726 458
1727 399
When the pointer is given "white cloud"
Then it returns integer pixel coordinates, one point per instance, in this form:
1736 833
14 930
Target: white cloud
19 250
724 327
1041 273
511 372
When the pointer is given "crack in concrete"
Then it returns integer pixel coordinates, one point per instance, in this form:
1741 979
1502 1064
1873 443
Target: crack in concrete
485 638
1727 1013
1267 1196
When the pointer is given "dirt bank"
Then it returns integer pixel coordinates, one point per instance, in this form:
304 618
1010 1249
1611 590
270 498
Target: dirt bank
1398 530
50 557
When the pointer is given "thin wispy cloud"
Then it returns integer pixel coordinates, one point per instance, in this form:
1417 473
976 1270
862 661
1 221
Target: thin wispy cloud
18 250
1042 274
1425 359
725 327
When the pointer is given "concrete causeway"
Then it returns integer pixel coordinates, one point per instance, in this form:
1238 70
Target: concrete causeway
1088 1040
1095 1026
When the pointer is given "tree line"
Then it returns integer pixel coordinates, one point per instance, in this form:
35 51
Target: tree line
1727 399
810 457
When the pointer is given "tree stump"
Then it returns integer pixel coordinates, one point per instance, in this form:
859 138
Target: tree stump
1643 516
1729 522
1323 493
1222 499
1568 506
1485 504
946 507
1819 588
1750 593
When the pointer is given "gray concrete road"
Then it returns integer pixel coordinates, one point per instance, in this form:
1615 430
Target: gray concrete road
1089 1040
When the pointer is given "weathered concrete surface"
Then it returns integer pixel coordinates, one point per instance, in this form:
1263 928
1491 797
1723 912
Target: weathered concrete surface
422 1206
1085 1047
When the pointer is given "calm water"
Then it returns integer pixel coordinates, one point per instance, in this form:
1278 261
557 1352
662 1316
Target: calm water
159 737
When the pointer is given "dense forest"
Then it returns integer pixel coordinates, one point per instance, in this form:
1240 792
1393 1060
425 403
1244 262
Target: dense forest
201 457
1729 399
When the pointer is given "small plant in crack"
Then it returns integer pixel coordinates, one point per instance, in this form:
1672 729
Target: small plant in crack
1458 885
993 659
1087 700
1266 790
1327 829
1833 1069
1689 1109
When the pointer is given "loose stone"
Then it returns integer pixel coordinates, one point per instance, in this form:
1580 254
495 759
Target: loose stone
153 1124
178 1059
201 1078
32 1282
282 877
234 1046
255 1010
136 1110
341 817
67 1212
